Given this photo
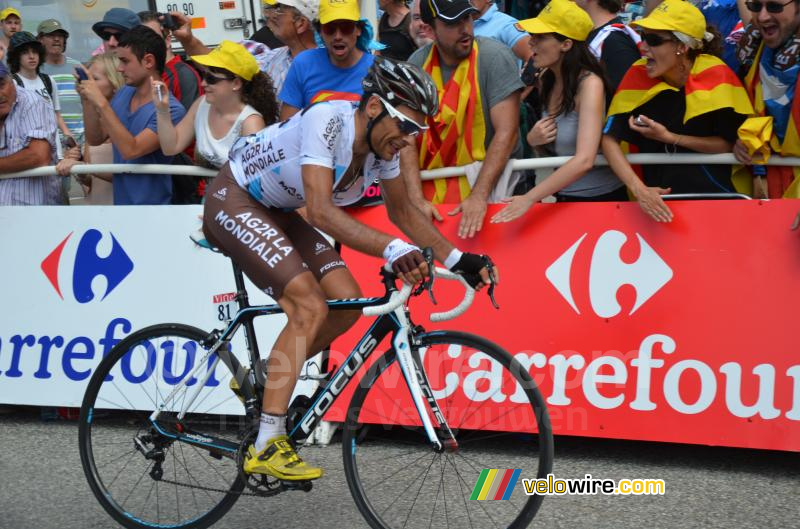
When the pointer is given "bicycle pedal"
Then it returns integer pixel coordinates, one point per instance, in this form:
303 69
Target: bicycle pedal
304 486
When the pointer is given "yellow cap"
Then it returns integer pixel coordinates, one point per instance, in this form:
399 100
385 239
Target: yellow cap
4 14
232 57
675 15
330 10
563 17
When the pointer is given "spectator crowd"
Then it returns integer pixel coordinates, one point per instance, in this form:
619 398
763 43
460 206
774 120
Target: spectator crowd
573 79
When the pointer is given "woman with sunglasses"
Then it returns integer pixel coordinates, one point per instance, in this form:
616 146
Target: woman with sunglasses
239 100
677 98
324 157
572 92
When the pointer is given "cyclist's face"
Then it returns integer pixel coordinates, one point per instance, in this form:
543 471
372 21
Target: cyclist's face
387 138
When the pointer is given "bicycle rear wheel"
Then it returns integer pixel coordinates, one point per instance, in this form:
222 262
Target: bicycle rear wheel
171 473
499 421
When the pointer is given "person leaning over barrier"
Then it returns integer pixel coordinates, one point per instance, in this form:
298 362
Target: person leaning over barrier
677 98
770 51
28 125
238 101
478 83
572 90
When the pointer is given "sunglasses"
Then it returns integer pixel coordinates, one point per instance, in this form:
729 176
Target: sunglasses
772 7
407 126
106 35
654 40
211 79
345 27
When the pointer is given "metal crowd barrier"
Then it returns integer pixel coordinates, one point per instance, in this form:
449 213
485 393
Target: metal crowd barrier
529 163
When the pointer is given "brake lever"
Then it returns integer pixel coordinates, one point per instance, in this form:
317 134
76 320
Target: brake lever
427 253
487 261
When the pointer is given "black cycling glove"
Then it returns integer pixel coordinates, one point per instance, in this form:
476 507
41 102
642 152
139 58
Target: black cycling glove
469 267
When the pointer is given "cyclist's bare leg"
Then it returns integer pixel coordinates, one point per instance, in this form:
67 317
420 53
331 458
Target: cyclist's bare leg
303 301
337 284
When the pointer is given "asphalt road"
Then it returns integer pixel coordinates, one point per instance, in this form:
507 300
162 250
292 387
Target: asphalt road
42 486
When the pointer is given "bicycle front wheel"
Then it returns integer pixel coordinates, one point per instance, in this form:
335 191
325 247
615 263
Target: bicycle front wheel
496 415
169 472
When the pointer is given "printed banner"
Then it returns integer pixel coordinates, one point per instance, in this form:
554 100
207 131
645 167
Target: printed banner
680 332
77 280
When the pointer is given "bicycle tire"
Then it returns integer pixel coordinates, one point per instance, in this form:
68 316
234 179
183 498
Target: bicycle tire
116 409
395 476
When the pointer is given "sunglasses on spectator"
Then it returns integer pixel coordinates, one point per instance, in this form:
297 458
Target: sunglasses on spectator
654 40
106 35
772 7
345 27
210 78
407 126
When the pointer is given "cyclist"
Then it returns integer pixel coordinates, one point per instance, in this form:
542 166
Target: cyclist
323 157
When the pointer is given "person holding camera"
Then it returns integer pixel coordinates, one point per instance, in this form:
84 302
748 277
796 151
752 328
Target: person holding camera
181 79
677 98
129 119
572 93
239 101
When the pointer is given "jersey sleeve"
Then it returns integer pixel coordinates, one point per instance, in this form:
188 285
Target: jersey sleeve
322 128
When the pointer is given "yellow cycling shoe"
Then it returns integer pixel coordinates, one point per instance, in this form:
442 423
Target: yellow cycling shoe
279 460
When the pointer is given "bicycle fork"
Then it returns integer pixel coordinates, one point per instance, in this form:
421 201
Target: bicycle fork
420 388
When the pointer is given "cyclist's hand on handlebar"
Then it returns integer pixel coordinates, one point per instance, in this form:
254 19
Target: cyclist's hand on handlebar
473 268
411 268
407 261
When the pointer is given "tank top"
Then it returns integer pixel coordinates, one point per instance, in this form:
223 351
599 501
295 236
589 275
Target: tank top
213 150
599 180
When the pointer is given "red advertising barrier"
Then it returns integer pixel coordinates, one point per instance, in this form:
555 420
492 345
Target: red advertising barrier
682 332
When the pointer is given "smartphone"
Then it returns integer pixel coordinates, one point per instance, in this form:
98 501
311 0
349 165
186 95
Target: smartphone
169 22
81 73
159 93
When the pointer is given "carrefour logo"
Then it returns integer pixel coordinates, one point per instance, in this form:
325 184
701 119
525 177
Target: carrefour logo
87 265
608 272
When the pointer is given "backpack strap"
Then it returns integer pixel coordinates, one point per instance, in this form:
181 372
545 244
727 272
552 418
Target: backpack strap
48 83
18 79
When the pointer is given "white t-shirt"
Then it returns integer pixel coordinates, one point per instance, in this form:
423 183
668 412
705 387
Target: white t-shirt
37 85
269 164
215 151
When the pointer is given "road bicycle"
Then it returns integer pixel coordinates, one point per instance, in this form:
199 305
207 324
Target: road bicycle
163 434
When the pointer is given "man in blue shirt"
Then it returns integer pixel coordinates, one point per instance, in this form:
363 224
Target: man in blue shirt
332 72
129 119
497 25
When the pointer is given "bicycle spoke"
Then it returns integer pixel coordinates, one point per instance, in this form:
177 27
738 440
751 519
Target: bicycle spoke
476 415
161 354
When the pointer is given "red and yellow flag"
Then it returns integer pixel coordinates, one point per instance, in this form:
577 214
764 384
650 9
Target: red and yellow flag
711 86
782 181
457 133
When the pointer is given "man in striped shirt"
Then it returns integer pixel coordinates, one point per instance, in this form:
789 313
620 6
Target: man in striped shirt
27 141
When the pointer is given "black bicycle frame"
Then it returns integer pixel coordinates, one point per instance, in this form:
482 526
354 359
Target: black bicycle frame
380 328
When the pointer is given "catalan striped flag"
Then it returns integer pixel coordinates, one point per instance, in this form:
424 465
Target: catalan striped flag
495 484
711 85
